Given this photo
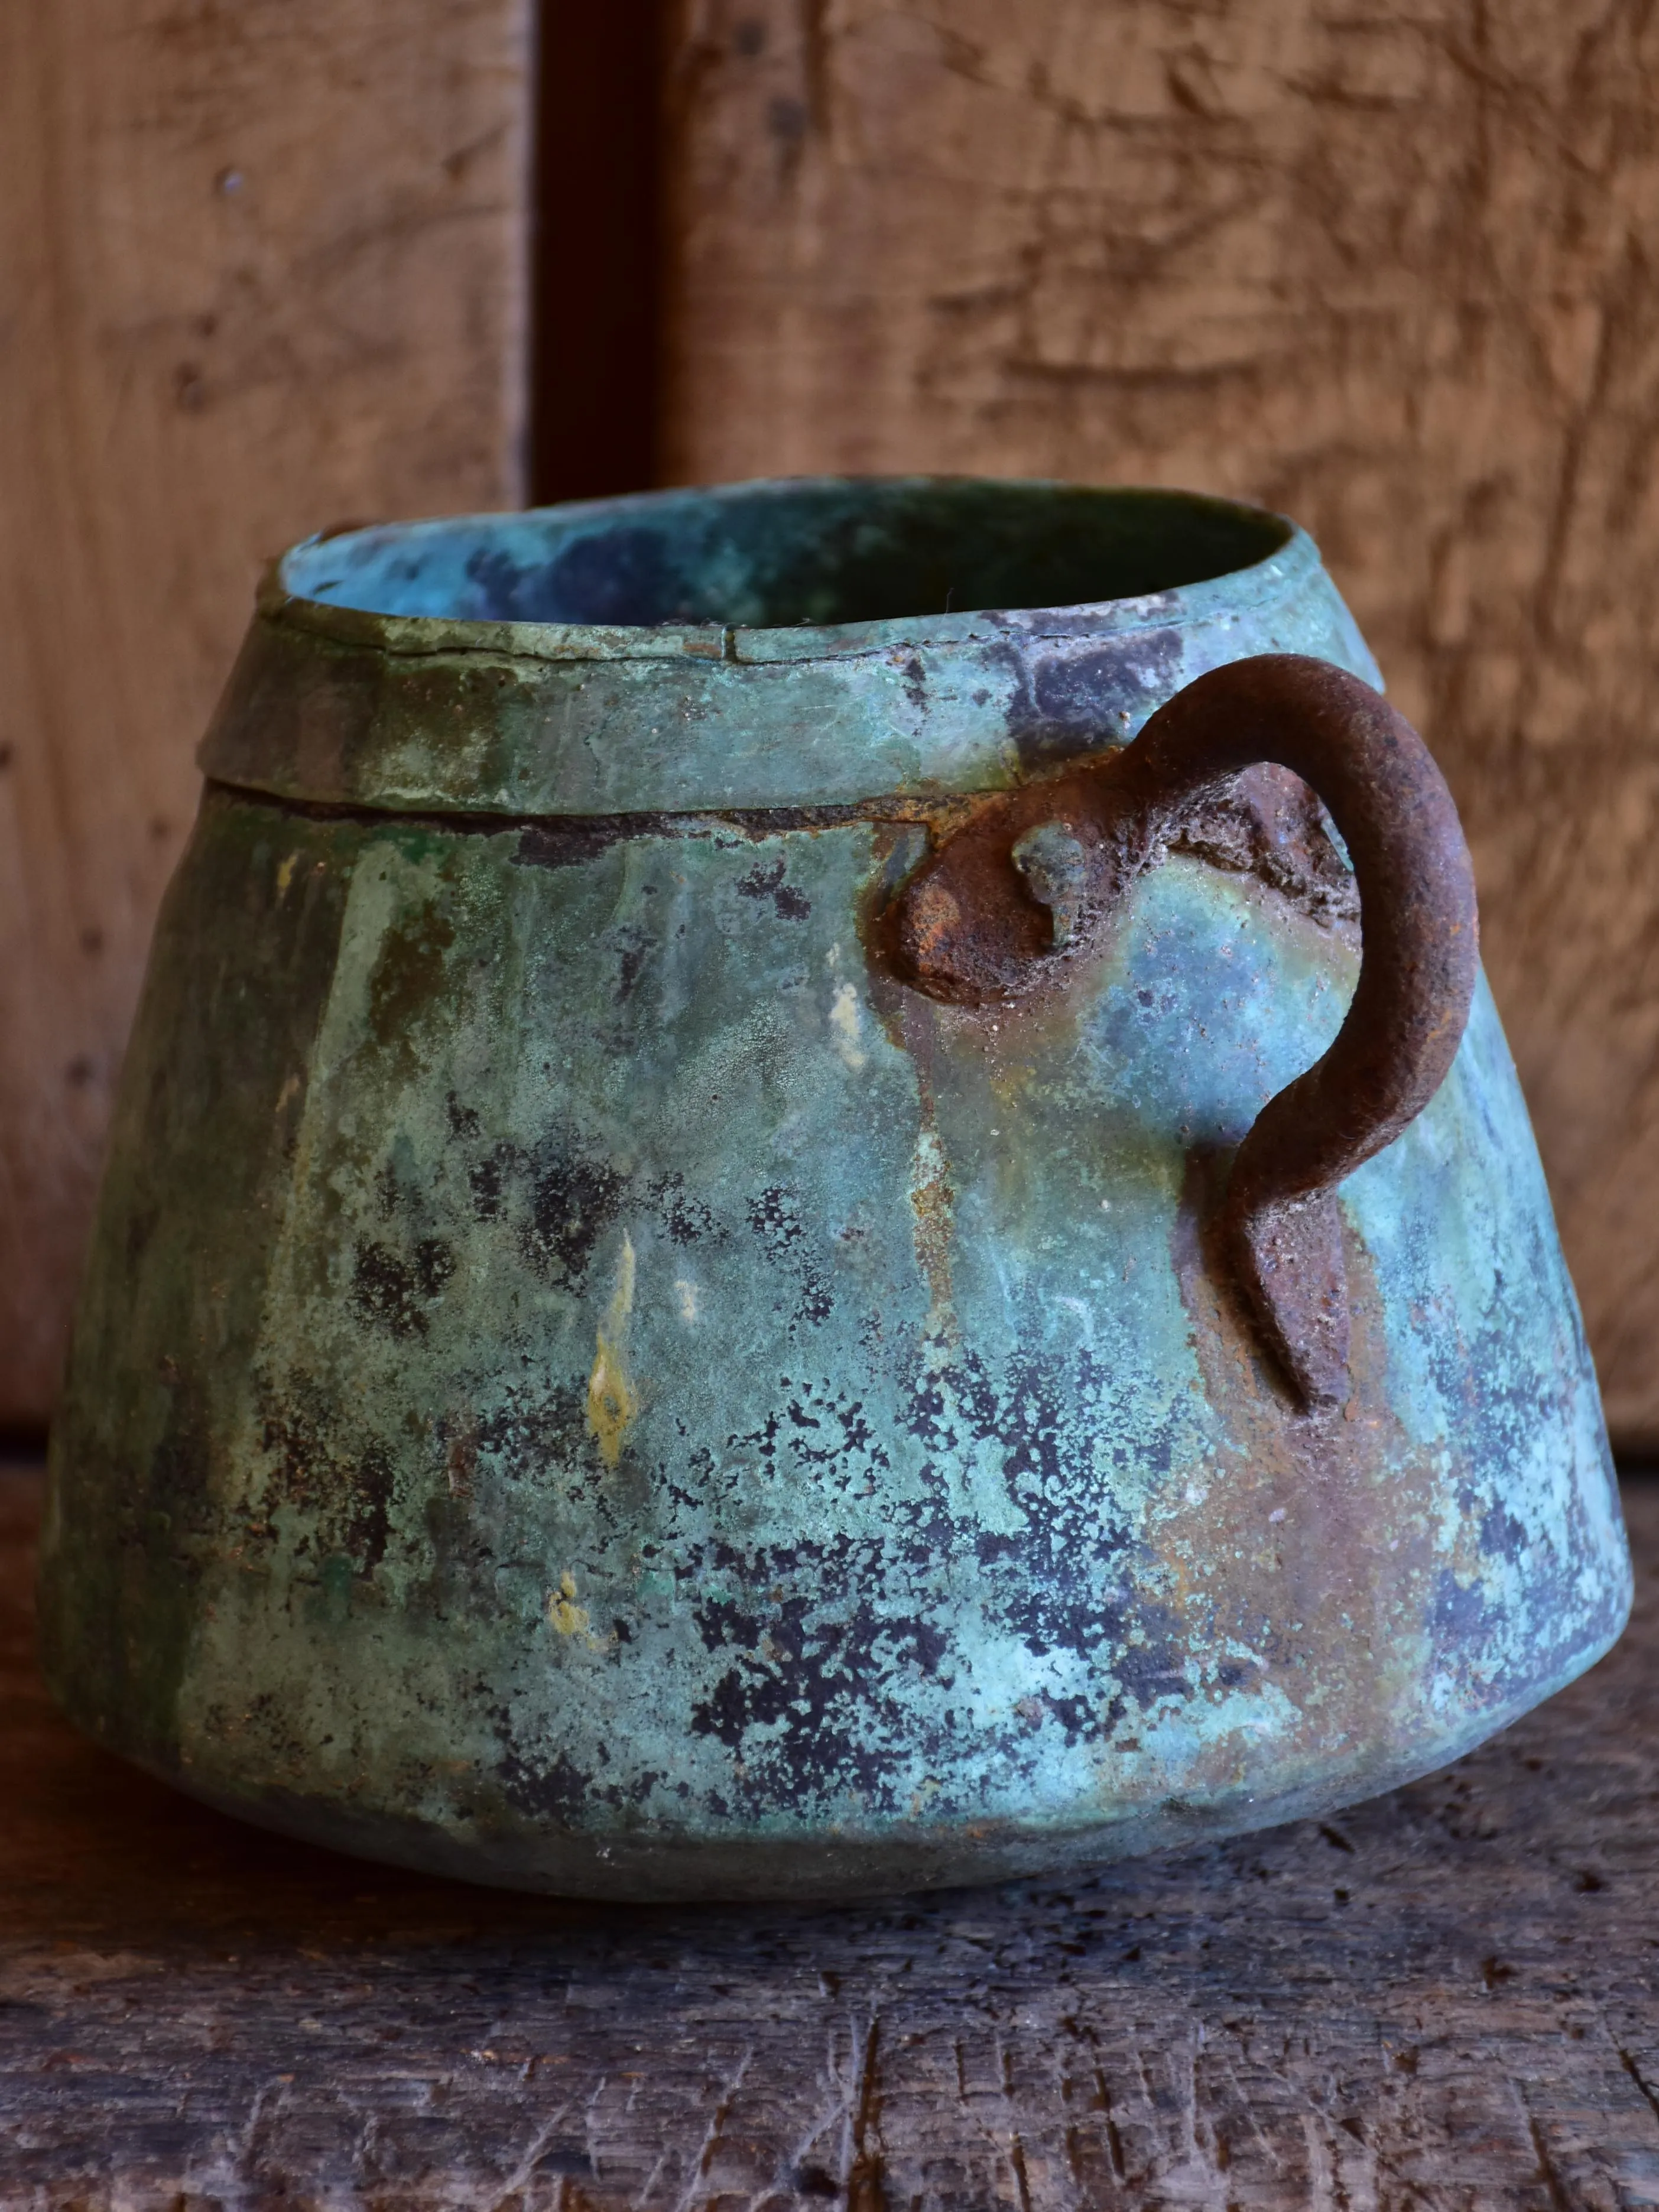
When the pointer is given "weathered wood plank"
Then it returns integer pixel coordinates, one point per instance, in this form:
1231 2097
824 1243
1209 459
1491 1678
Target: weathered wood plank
261 268
1448 2000
1389 270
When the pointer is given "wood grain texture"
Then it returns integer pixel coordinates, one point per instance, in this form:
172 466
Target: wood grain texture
1447 2000
261 269
1390 271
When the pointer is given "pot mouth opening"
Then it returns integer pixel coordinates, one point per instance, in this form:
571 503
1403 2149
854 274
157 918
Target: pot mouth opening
810 552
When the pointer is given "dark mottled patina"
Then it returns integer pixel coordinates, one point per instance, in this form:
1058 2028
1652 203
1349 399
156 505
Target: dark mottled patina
587 1378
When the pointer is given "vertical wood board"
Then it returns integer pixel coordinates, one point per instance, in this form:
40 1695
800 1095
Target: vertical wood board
1390 273
262 269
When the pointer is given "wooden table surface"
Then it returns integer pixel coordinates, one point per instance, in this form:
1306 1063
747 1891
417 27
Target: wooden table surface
1445 1999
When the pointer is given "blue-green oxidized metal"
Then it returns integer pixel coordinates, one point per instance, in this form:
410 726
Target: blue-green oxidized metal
588 1378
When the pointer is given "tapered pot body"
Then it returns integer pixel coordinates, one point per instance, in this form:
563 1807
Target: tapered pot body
586 1379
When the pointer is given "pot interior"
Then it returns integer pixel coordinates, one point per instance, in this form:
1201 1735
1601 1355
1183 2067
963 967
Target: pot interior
775 554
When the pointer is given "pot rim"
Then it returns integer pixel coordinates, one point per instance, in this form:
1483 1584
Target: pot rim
436 712
282 596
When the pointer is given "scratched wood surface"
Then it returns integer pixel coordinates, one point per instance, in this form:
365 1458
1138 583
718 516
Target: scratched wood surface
1447 2000
1389 269
261 271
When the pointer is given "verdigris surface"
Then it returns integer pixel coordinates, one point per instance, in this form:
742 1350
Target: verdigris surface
586 1379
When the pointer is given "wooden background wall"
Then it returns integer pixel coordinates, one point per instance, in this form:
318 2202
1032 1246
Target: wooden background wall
1391 271
262 268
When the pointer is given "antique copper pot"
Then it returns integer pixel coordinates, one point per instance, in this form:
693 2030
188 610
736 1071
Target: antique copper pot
746 1250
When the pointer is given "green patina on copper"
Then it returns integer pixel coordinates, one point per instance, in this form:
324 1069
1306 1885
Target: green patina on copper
585 1380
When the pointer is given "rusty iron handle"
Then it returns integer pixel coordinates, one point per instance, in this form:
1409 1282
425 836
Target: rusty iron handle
1006 899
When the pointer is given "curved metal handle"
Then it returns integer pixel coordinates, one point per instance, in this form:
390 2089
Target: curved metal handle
1015 891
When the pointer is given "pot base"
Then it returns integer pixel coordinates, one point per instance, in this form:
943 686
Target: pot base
635 1869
